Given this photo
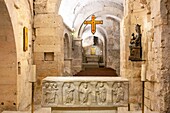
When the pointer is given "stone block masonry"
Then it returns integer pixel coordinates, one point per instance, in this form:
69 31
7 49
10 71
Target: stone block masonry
48 44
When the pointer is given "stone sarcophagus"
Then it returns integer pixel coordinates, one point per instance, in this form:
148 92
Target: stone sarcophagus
85 92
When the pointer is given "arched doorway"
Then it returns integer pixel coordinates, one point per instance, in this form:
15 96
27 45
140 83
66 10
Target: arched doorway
66 46
93 49
8 61
67 55
110 32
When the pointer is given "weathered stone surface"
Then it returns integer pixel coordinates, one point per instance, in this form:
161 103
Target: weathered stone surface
47 48
155 50
15 64
67 67
87 110
49 31
77 55
85 92
47 6
113 45
14 16
47 20
46 31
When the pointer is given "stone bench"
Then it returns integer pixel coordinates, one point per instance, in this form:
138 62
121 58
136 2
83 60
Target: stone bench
81 94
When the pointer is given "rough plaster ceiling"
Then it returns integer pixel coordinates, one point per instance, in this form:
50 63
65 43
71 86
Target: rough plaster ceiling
70 9
75 12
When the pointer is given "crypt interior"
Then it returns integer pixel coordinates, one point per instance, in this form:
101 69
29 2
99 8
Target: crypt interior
104 56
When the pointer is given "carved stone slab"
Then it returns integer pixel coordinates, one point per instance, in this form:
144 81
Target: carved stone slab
85 92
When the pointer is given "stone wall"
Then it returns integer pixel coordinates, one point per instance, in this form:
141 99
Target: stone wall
7 68
77 56
48 44
134 14
113 45
16 61
153 17
157 87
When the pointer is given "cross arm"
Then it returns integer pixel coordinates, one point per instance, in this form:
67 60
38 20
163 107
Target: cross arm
99 22
87 22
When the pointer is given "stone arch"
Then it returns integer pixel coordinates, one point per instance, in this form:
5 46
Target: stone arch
66 46
111 10
104 35
76 9
115 64
8 61
67 53
81 26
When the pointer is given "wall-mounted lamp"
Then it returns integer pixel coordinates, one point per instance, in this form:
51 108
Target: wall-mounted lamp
72 32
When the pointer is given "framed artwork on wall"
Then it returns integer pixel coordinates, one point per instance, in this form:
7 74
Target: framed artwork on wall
25 39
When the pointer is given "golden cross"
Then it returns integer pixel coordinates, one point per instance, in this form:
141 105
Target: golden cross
93 23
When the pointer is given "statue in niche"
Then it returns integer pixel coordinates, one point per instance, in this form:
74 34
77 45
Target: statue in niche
69 93
50 92
95 40
84 93
95 49
135 45
118 93
101 92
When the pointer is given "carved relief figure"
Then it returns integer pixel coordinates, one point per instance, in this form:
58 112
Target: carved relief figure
84 93
118 93
50 92
69 93
101 92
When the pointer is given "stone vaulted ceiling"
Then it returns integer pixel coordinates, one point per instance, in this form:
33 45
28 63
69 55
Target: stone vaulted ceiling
75 12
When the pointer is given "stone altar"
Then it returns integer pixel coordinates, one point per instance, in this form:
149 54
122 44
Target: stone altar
92 61
93 58
81 94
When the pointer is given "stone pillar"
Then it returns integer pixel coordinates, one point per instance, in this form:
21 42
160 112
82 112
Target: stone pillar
48 44
157 90
67 67
153 17
77 56
129 69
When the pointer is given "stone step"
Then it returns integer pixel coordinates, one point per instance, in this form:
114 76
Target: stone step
125 110
137 112
90 112
41 110
98 72
48 110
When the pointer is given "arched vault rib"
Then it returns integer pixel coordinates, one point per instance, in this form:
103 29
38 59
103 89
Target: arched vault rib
81 26
72 12
81 16
100 30
105 3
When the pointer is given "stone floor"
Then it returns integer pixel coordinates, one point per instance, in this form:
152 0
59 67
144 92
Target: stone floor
47 110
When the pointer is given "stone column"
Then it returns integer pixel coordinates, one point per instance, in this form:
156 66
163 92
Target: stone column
77 55
67 67
48 45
